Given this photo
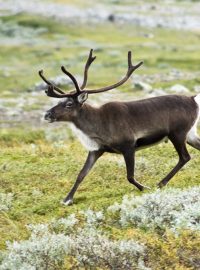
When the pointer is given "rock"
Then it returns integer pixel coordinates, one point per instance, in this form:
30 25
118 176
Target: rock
153 7
179 89
157 92
114 53
146 14
148 35
143 86
111 18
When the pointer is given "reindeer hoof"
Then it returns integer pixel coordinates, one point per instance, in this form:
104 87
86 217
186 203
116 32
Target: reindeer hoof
145 187
160 185
142 188
68 202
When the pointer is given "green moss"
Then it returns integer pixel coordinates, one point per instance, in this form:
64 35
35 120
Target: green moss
34 21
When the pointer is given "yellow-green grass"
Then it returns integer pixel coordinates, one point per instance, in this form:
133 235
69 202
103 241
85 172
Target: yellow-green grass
40 173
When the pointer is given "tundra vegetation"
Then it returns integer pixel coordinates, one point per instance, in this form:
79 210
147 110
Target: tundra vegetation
111 225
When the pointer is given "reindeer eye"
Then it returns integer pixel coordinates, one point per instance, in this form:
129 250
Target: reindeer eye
69 104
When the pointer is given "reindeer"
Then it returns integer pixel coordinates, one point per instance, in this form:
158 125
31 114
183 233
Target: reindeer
125 127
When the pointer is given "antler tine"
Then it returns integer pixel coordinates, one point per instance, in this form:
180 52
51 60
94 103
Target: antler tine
49 83
50 91
87 65
78 90
131 68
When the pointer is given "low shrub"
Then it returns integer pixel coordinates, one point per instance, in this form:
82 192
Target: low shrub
43 250
172 208
48 248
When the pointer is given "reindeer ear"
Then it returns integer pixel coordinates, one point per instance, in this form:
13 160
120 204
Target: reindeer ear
82 97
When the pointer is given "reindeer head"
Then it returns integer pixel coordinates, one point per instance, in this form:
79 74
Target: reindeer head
70 106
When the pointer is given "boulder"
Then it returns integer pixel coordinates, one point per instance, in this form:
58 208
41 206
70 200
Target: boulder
179 89
143 86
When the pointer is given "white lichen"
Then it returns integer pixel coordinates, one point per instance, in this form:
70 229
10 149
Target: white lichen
5 201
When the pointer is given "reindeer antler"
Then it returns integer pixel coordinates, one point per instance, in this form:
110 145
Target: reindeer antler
51 91
78 90
51 88
87 65
131 69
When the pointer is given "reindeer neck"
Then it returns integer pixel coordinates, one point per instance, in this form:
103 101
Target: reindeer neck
87 118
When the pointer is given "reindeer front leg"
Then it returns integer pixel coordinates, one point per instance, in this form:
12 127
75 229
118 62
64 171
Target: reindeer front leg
90 161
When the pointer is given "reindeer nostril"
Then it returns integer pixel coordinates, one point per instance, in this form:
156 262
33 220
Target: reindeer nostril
48 115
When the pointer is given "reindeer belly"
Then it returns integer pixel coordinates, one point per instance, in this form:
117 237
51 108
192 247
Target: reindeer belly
87 142
150 140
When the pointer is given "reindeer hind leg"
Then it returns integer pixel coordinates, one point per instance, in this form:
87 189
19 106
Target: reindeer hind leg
129 157
179 142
